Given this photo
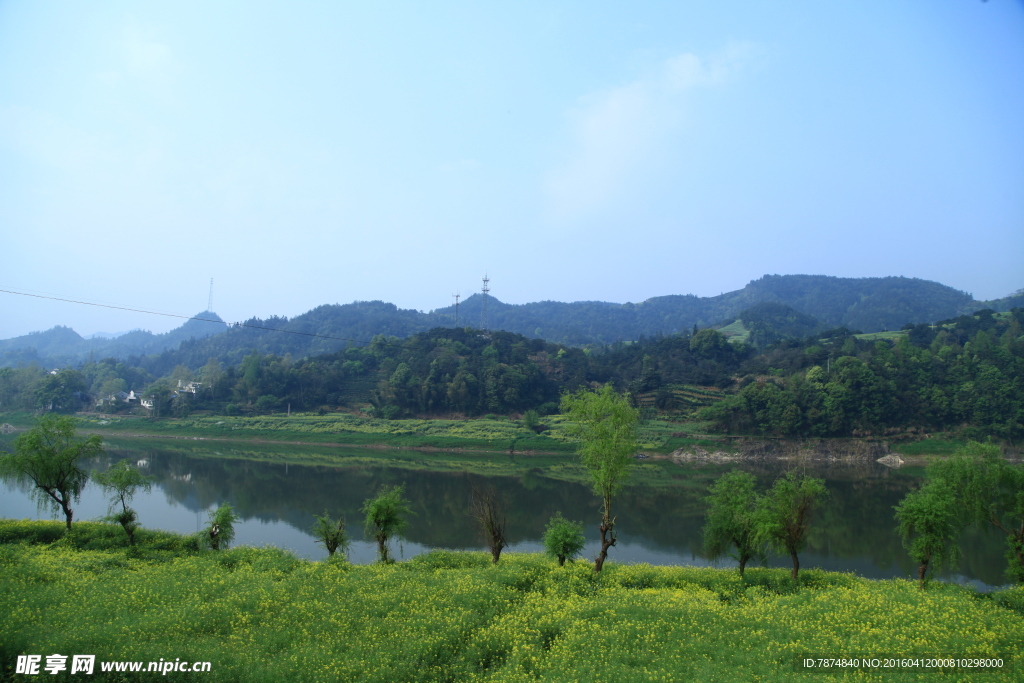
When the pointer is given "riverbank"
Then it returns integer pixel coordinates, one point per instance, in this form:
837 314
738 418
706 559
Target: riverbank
490 435
262 614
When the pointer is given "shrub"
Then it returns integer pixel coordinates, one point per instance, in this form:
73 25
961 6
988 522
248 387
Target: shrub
220 530
331 534
563 539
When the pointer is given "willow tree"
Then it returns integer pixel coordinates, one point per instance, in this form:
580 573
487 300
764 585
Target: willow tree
988 491
785 514
604 423
732 519
220 528
48 459
385 517
930 521
331 533
122 482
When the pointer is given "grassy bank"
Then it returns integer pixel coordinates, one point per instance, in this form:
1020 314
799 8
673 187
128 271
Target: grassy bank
487 434
341 429
261 614
494 434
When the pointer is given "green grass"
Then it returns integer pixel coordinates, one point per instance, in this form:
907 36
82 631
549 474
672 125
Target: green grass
736 332
890 335
262 614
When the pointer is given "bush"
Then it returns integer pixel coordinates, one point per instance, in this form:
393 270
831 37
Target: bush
1011 598
563 539
331 534
220 529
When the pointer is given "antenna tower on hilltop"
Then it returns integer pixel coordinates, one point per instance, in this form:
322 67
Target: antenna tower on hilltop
209 303
457 296
483 304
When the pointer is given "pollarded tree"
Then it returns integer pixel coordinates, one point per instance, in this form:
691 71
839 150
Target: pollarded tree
385 517
605 424
331 533
220 529
48 458
122 482
732 519
563 539
785 514
485 507
930 521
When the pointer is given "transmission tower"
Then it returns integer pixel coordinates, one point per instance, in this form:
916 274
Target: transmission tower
209 303
456 296
483 305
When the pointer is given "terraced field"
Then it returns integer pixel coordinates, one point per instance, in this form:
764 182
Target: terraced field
686 398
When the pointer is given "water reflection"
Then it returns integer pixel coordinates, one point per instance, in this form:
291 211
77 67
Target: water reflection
659 524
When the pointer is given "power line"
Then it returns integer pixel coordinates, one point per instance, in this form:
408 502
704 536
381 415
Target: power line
192 317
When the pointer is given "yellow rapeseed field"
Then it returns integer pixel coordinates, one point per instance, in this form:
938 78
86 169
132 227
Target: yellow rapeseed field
261 614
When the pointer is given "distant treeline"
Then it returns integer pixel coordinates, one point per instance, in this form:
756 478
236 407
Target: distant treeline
962 374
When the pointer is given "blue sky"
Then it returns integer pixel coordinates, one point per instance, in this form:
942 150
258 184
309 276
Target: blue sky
304 153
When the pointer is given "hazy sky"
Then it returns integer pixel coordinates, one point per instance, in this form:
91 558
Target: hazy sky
303 153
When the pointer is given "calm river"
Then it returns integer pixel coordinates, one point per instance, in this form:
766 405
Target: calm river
658 524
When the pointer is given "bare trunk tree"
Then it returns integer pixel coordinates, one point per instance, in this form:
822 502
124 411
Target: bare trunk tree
486 509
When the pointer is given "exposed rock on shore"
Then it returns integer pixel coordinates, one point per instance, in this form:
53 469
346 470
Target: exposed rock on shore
811 449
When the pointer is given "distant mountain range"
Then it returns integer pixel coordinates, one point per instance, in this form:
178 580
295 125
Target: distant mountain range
63 346
866 304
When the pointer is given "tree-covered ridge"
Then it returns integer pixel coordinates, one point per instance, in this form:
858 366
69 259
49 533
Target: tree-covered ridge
967 374
868 304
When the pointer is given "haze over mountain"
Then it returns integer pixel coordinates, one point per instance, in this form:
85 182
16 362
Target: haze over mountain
63 346
866 304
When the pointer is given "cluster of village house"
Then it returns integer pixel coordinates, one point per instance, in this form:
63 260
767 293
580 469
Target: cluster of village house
133 397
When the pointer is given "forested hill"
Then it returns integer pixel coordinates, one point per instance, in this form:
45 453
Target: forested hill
62 346
866 304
